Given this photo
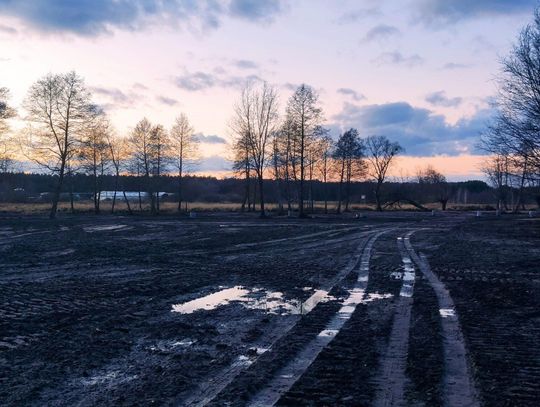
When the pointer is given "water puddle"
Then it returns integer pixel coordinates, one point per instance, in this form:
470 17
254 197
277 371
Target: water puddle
170 346
408 277
103 228
273 302
447 312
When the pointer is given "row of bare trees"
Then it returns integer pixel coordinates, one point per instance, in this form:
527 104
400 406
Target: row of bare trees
66 132
296 149
513 137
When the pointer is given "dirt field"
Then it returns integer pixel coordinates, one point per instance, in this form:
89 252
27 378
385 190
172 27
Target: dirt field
227 309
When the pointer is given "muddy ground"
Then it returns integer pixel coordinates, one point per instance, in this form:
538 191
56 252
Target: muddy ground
108 311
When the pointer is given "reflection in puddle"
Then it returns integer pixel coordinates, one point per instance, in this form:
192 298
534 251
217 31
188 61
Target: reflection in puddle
170 346
212 301
102 228
272 302
408 277
447 312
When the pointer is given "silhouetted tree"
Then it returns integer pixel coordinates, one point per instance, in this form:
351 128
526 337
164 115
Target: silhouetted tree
94 155
380 154
254 122
183 150
6 113
349 155
304 116
59 111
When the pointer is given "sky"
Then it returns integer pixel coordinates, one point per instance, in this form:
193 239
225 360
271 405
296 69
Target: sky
421 72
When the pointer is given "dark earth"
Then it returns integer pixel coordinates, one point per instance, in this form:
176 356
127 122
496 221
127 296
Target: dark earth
87 317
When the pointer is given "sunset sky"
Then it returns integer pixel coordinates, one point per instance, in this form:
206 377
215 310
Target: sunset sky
418 71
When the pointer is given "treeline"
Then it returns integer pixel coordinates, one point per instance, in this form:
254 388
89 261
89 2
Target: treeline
69 135
20 187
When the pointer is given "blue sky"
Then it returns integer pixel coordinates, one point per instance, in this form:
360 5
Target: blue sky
419 71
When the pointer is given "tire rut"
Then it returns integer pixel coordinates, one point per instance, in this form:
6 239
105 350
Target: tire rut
458 386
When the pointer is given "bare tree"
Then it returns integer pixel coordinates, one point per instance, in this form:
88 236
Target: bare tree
437 185
94 153
514 135
184 148
304 116
159 150
142 156
326 149
59 110
6 113
119 154
380 154
255 120
242 165
349 157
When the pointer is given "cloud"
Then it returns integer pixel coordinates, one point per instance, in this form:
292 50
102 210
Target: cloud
357 15
115 98
196 81
452 66
290 86
199 81
420 131
433 12
381 32
397 58
114 94
245 64
213 163
93 17
210 139
7 30
352 93
167 101
440 99
261 10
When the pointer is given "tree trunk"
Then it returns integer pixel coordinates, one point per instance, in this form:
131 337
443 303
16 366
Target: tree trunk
180 190
127 202
116 181
378 196
301 192
261 194
56 195
443 204
340 188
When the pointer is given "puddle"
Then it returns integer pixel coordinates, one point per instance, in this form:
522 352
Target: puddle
328 332
103 228
447 312
408 277
212 301
170 346
272 302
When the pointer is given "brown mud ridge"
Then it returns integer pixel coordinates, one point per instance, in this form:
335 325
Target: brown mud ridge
385 310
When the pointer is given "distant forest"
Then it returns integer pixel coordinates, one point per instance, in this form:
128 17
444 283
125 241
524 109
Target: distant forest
20 187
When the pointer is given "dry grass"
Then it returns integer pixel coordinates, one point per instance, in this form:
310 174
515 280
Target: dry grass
171 207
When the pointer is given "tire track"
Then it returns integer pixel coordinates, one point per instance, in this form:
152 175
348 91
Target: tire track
288 375
458 386
210 388
391 378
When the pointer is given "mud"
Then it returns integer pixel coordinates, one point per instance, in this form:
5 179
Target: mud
87 308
